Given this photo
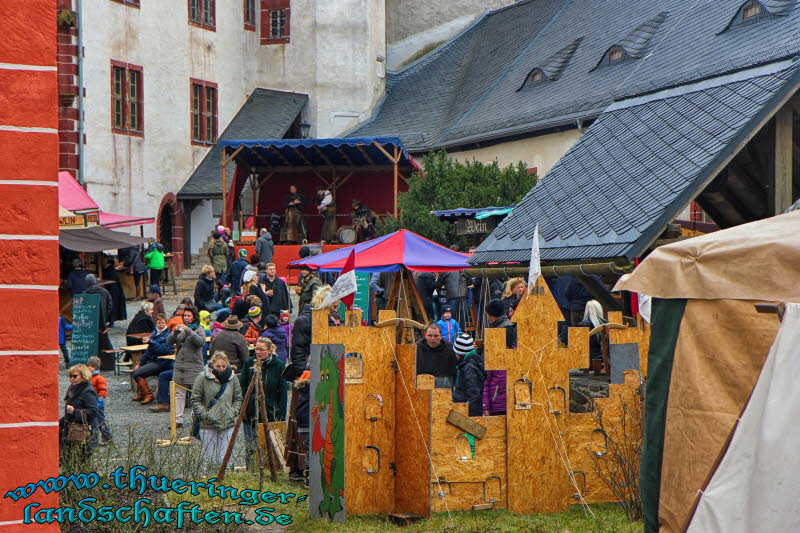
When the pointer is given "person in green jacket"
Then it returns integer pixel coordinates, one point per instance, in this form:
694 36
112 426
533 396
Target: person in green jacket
218 254
216 402
154 259
274 391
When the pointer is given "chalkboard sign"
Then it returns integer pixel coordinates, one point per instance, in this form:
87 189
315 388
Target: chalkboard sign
85 326
361 300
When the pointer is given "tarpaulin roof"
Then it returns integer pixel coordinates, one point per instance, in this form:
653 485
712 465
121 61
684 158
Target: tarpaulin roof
476 213
72 196
358 151
388 254
110 220
96 239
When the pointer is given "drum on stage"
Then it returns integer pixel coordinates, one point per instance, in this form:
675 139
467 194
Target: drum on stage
347 235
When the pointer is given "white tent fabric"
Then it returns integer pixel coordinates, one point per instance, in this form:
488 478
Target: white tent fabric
755 487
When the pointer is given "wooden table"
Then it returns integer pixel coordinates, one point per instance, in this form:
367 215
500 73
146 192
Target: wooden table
170 357
138 335
135 351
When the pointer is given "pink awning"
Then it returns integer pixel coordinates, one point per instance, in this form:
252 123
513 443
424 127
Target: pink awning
72 196
110 220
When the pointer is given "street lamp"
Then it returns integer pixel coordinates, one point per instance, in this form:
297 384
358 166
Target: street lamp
305 127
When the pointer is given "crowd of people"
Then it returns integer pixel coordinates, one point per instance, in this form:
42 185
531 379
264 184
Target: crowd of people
238 325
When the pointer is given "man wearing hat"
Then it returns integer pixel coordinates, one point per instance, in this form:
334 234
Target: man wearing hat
496 318
470 374
76 279
307 287
234 273
154 296
231 341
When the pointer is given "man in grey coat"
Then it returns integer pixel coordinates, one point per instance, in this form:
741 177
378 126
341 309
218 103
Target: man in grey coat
265 248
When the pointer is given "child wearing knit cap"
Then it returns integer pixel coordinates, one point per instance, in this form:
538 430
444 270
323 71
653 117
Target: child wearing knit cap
100 386
470 374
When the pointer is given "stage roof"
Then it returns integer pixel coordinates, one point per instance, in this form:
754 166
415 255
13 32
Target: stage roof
275 154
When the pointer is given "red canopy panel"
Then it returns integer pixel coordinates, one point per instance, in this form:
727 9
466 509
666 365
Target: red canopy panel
110 220
72 196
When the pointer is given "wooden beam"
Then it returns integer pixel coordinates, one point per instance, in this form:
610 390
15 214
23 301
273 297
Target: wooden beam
311 167
382 149
300 169
402 177
344 155
365 154
224 189
266 163
600 293
227 160
416 299
783 160
323 156
280 155
336 184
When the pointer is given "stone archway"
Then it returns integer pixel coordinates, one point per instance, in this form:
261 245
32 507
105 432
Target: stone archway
169 229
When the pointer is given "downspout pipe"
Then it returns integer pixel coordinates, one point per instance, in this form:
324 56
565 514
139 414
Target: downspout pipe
81 179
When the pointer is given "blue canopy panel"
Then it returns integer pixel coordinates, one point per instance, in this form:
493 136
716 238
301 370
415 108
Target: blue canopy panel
352 152
477 213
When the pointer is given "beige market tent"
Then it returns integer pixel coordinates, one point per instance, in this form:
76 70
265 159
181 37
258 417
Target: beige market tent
707 350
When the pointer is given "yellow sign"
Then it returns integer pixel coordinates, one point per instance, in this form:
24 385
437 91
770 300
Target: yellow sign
78 220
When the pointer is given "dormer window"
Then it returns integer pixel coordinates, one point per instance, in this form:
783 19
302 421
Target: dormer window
537 76
753 10
615 55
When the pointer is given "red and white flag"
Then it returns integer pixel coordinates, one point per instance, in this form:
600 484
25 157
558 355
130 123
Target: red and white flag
345 287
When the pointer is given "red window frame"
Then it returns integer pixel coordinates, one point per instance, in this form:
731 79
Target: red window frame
203 114
249 24
201 18
131 3
130 98
268 7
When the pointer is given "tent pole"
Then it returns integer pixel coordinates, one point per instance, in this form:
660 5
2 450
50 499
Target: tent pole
396 156
224 190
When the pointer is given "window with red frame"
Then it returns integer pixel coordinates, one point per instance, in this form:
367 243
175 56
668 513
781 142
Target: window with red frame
127 99
249 15
275 17
203 13
134 3
204 112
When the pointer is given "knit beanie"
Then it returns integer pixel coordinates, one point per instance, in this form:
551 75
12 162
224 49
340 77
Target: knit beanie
94 361
463 344
242 253
254 311
271 321
495 308
223 314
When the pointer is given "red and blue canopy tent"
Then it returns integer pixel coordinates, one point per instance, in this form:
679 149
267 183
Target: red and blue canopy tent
390 253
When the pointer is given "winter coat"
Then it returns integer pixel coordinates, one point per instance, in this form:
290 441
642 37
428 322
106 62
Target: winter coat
218 253
157 347
132 258
308 287
83 398
278 337
494 392
188 353
510 304
224 413
454 283
250 329
233 344
105 303
235 274
595 341
511 330
470 377
63 327
203 292
265 247
154 258
274 387
119 309
301 341
99 384
76 280
303 414
280 296
158 305
288 328
450 329
140 323
426 284
577 295
440 361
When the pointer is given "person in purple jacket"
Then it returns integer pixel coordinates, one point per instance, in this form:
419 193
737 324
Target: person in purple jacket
494 387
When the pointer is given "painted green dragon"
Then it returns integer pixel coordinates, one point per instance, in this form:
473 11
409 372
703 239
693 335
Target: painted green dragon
329 396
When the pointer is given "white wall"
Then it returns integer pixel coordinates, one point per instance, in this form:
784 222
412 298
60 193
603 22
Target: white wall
331 57
202 225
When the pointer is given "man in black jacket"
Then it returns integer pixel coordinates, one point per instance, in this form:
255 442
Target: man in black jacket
276 290
435 356
496 318
301 342
204 290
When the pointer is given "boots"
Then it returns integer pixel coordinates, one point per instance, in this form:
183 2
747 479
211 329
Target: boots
159 408
145 392
139 390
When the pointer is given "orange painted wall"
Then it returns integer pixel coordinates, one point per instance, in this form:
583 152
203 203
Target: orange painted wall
29 256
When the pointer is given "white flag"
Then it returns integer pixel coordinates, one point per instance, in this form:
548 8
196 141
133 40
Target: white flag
345 287
535 270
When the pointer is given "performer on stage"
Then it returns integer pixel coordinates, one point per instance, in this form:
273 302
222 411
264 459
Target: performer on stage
363 220
294 228
327 208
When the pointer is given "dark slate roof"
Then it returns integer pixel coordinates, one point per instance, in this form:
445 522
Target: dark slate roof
554 65
267 114
468 89
637 167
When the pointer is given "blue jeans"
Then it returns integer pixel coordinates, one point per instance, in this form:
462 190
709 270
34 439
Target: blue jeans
65 352
101 419
163 386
